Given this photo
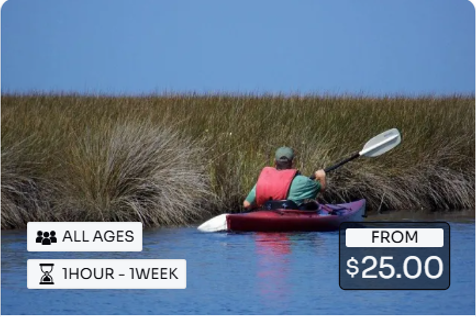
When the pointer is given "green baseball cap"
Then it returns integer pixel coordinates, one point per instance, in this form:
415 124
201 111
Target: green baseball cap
285 151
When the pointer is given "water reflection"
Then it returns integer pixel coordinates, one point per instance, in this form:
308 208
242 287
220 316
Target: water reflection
273 250
273 244
280 264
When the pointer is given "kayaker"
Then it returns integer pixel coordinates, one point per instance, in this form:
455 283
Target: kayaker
283 182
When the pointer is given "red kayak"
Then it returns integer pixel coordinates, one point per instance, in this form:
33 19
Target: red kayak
326 218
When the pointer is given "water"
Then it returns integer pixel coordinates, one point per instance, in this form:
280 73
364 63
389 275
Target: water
245 274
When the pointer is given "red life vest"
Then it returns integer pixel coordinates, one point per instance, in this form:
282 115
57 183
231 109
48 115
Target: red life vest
273 184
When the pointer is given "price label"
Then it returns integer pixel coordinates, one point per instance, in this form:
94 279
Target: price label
391 256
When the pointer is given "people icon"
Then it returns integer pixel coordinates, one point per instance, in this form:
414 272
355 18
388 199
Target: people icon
46 238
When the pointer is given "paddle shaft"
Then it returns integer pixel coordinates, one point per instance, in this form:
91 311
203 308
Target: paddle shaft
333 167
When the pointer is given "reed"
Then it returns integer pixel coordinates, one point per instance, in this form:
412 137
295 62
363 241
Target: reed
174 159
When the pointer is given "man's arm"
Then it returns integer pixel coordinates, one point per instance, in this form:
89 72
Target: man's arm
250 200
321 177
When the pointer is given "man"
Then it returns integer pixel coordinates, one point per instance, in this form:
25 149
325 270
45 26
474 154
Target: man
284 182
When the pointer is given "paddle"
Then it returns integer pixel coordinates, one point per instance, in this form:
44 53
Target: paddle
376 146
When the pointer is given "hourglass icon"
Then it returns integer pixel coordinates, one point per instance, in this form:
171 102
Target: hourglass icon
46 268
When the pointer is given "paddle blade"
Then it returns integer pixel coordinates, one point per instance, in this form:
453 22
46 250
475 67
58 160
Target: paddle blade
381 143
215 224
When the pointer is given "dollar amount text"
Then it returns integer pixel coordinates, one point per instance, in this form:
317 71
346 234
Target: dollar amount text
390 272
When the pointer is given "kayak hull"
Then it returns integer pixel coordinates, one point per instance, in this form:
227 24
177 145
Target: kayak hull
327 218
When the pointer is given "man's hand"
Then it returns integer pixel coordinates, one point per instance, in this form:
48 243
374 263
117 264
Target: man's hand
320 174
321 177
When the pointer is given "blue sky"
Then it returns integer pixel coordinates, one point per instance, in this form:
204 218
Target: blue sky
371 47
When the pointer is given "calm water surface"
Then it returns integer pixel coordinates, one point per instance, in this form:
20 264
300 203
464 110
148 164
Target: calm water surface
245 274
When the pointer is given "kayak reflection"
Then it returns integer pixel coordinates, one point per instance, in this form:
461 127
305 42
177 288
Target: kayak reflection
276 259
273 250
273 243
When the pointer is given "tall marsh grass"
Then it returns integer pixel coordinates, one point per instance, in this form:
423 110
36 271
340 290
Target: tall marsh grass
167 160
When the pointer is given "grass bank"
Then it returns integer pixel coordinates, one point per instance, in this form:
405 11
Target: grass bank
167 160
